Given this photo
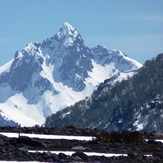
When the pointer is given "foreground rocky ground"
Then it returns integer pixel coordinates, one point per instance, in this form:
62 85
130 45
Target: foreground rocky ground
134 144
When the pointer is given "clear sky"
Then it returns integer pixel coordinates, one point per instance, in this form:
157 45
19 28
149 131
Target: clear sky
132 26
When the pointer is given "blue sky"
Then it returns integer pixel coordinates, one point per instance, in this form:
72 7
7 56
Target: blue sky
134 27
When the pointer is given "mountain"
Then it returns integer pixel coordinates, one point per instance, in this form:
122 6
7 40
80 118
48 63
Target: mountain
46 77
133 104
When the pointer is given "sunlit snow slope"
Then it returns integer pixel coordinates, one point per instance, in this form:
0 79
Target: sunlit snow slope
46 77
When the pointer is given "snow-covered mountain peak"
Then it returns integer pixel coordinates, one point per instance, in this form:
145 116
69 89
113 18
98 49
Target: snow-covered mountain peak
32 46
68 27
56 73
67 34
31 49
135 64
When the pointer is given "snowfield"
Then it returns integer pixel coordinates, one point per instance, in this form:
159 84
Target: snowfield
41 136
87 153
67 137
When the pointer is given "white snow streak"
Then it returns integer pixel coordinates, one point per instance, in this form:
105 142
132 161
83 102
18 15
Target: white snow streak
41 136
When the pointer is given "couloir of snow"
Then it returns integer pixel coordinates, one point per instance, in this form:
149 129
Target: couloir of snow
99 73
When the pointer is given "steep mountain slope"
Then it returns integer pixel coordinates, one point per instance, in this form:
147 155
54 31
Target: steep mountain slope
49 76
133 104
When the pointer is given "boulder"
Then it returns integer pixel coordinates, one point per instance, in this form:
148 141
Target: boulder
30 142
62 156
79 148
81 155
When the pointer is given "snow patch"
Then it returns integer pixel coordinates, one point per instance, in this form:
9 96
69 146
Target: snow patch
87 153
6 67
17 108
140 122
42 136
100 73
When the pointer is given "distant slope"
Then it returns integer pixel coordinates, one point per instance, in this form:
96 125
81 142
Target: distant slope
133 104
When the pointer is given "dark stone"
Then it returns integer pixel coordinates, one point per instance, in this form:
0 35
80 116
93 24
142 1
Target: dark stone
23 149
156 154
30 141
151 141
62 156
1 142
82 155
133 155
120 141
55 157
79 148
3 136
49 153
76 158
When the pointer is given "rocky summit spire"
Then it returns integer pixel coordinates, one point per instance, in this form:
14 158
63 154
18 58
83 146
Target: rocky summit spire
68 27
67 34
